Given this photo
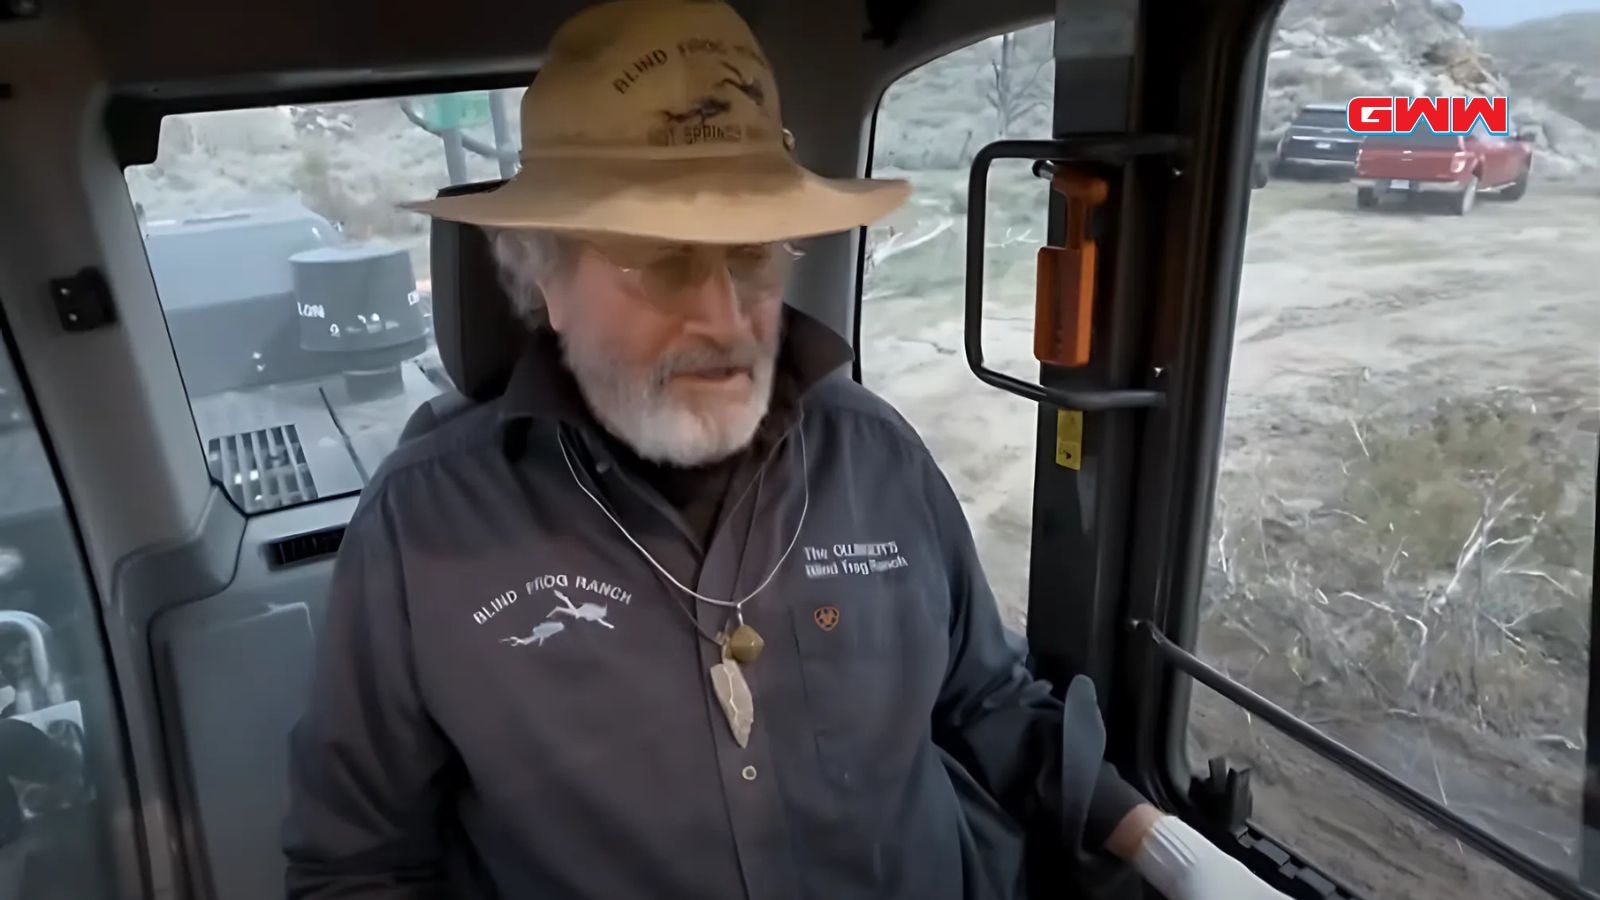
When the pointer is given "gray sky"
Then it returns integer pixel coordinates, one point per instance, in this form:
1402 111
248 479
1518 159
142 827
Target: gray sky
1492 13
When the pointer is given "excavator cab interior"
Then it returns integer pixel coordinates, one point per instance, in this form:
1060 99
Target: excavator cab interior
1305 485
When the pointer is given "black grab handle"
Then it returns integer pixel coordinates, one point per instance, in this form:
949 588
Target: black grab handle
1114 149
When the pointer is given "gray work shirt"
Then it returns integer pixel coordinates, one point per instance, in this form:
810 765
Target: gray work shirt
508 694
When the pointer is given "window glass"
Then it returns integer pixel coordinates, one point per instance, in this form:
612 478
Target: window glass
62 781
1402 548
1321 118
1370 843
296 292
930 125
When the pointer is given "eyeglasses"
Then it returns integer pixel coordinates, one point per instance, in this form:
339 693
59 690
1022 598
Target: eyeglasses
663 273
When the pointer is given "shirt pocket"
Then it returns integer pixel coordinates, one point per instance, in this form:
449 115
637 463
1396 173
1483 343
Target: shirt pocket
871 667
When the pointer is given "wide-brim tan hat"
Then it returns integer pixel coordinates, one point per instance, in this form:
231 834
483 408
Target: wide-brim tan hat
660 119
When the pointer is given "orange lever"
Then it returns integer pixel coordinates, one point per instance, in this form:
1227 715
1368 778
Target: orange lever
1064 295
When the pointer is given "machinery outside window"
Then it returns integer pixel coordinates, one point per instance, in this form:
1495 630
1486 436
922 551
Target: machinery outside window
296 292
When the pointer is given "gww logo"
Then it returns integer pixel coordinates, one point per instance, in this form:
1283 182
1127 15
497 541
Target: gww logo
1441 115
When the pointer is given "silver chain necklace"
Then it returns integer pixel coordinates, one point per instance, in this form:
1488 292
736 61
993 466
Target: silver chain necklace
744 643
736 605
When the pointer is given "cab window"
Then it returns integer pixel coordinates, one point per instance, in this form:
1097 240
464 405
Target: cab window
296 292
1402 544
930 124
1403 537
63 784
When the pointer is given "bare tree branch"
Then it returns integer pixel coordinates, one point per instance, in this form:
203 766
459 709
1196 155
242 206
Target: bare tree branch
1534 573
1011 93
1360 440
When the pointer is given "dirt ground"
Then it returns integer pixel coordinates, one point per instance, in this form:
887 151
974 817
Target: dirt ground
1346 318
1501 308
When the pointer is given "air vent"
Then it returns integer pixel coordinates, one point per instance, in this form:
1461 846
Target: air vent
263 469
303 547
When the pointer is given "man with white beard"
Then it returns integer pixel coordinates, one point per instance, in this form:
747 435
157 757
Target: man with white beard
685 613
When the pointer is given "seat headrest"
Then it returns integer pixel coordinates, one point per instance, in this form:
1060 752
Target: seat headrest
478 333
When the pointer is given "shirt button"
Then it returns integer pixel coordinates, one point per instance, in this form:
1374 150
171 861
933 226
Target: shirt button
749 773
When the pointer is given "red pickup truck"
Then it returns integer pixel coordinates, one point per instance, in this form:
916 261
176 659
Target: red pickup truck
1454 167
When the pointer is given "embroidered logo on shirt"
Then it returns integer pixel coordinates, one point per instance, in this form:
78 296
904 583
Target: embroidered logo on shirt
586 612
567 609
589 612
826 617
540 634
853 559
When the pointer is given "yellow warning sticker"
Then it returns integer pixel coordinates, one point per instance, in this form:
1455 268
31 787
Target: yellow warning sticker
1069 438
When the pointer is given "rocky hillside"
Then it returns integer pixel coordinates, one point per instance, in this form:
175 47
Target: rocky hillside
1329 50
1555 59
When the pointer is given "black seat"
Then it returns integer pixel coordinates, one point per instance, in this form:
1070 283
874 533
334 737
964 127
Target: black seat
478 334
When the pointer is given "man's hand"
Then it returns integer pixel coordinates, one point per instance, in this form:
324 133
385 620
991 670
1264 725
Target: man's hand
1181 864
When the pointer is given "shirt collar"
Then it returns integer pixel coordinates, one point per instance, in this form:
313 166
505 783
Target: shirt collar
541 387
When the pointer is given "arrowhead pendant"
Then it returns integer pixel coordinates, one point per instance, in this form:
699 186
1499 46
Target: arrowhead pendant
733 692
